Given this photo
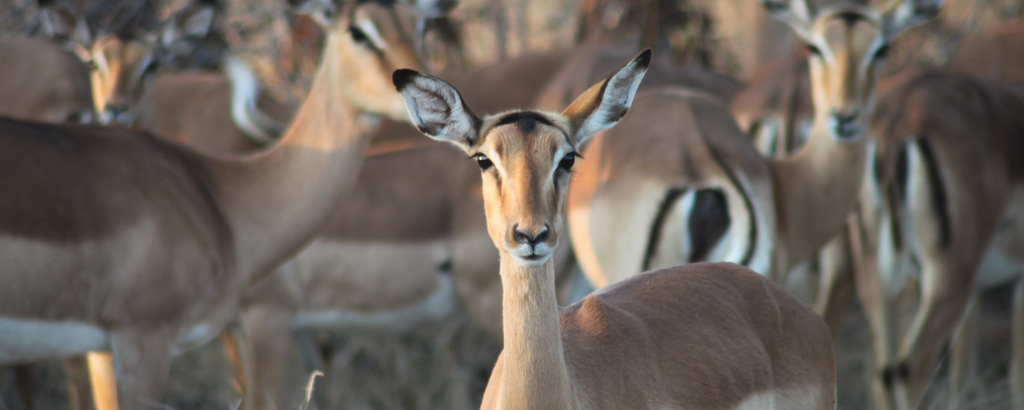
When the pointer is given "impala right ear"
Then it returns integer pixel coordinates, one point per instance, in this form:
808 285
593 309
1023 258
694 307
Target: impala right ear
324 12
605 103
437 109
798 14
63 24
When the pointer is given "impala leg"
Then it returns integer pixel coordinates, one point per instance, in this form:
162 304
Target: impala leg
1017 363
142 358
271 347
836 287
945 291
962 360
100 367
79 387
26 385
235 350
876 306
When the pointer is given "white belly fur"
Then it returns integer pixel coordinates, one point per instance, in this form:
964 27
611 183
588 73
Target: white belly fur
24 341
439 305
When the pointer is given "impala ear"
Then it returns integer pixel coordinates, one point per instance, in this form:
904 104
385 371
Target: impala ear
63 24
192 22
605 103
428 9
437 109
324 12
903 15
798 14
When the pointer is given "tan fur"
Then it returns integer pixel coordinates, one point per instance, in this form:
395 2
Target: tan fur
44 82
994 55
146 239
775 109
195 109
966 130
643 342
400 249
626 173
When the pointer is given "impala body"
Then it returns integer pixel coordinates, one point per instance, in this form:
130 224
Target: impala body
768 349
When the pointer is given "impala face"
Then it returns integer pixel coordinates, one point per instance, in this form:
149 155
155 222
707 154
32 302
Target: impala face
121 72
847 47
372 38
122 66
525 157
525 161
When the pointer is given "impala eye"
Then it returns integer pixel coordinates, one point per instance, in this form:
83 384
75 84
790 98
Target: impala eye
881 53
813 49
91 65
567 162
484 162
359 36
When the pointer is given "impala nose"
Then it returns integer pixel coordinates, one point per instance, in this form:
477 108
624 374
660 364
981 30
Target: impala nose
525 237
845 125
116 114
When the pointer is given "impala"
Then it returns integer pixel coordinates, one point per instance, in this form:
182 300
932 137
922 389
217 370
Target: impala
212 112
701 336
994 55
944 204
43 82
116 240
776 112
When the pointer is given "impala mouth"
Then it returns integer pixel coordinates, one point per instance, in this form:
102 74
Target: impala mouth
532 254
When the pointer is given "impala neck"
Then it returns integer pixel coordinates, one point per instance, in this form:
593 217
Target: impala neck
816 189
276 201
534 373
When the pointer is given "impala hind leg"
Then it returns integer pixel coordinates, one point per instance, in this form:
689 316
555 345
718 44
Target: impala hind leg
962 358
945 290
142 359
1017 362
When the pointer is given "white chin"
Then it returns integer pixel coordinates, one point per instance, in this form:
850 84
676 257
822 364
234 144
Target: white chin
535 260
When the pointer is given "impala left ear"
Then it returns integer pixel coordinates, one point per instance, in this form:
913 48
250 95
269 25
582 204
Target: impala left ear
605 103
902 15
436 108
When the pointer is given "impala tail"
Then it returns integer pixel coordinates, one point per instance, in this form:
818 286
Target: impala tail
245 90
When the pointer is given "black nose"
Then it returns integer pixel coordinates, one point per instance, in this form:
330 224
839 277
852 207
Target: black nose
843 120
526 238
117 109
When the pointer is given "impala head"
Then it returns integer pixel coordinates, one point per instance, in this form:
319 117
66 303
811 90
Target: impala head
123 65
371 37
847 45
525 157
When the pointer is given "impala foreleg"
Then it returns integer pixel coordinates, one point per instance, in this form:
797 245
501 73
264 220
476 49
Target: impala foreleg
871 291
142 361
1017 363
836 287
270 349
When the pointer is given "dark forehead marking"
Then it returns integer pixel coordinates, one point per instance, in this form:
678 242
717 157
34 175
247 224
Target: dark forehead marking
851 18
523 116
527 121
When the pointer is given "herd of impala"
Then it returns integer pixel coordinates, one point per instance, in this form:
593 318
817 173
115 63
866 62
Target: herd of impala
199 201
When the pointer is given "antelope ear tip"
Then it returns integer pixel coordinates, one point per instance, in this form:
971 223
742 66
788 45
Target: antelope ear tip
644 59
403 77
